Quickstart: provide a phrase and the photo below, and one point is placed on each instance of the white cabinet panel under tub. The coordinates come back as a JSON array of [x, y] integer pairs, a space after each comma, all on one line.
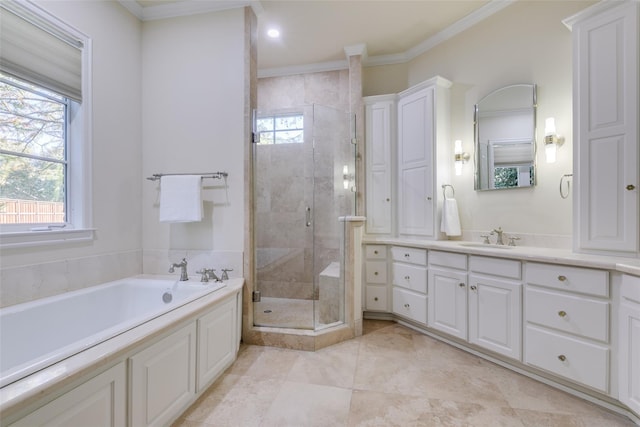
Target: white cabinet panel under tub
[[100, 401], [163, 378]]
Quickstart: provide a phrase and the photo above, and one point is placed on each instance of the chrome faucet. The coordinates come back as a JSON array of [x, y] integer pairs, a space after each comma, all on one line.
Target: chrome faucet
[[498, 232], [225, 273], [183, 269], [208, 274]]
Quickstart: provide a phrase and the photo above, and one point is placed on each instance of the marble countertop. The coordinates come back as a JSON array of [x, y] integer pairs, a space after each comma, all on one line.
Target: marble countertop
[[523, 253], [22, 393]]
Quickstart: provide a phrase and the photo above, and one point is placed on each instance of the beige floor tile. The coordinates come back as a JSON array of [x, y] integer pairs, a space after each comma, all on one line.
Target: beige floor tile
[[376, 409], [333, 366], [451, 413], [264, 362], [309, 405]]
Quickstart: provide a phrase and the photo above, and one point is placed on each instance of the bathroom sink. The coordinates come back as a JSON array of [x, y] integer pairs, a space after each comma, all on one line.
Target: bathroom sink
[[484, 245]]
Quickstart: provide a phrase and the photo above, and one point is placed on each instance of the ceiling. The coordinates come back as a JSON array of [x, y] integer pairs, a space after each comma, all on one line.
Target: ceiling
[[314, 33]]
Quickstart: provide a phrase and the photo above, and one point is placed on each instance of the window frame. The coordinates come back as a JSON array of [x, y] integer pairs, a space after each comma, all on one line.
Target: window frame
[[79, 218]]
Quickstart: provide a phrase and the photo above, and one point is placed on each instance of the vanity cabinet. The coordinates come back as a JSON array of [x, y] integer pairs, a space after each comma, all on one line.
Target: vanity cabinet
[[567, 311], [409, 278], [447, 286], [495, 305], [380, 141], [375, 273], [423, 123], [606, 109], [629, 338], [100, 401]]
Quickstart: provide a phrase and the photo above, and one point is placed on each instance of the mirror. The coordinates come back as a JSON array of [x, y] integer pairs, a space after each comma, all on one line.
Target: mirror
[[505, 143]]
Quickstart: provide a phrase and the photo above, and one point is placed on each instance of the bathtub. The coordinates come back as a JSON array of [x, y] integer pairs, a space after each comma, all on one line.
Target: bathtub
[[37, 334]]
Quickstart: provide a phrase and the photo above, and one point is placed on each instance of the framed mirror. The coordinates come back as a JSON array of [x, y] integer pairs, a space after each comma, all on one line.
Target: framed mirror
[[505, 140]]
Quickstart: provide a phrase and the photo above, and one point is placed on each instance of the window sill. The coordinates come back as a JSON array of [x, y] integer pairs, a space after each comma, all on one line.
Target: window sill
[[23, 239]]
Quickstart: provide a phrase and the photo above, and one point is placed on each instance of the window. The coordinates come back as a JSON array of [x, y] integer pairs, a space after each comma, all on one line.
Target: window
[[33, 155], [281, 129], [45, 129]]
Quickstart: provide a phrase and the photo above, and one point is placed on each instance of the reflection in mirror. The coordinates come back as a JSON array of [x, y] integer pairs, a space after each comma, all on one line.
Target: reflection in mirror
[[505, 143]]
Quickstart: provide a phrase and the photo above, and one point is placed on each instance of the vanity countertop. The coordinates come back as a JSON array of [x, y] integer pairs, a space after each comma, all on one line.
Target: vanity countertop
[[523, 253]]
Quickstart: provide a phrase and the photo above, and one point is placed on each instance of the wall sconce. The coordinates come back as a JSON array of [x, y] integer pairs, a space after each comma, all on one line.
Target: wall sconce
[[551, 140], [460, 157], [347, 178]]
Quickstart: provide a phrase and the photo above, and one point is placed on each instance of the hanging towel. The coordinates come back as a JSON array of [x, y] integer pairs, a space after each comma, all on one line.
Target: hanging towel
[[450, 218], [181, 198]]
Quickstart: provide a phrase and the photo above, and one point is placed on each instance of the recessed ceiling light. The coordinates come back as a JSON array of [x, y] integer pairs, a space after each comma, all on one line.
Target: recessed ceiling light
[[273, 33]]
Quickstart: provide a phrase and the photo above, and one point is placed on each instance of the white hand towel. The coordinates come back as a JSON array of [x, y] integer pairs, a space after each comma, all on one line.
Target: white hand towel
[[181, 198], [450, 219]]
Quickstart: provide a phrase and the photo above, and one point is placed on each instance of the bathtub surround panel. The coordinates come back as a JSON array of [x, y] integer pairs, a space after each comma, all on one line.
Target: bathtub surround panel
[[25, 283]]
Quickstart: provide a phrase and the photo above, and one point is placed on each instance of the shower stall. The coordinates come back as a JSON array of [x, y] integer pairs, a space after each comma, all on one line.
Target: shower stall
[[304, 181]]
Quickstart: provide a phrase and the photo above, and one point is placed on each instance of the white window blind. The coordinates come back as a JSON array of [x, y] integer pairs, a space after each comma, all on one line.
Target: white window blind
[[34, 50]]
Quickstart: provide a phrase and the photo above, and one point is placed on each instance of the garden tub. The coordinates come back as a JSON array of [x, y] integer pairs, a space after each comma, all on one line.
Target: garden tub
[[37, 334]]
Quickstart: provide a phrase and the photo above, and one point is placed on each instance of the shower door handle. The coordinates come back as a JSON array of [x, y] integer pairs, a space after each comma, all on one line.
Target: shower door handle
[[308, 216]]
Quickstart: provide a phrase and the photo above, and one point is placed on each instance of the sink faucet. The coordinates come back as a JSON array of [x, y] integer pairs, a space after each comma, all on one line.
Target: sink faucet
[[499, 232], [183, 269]]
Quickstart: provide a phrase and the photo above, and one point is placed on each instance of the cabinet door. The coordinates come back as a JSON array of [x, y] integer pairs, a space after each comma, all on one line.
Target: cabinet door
[[163, 378], [415, 163], [606, 156], [379, 133], [216, 342], [630, 356], [448, 302], [495, 315], [100, 401]]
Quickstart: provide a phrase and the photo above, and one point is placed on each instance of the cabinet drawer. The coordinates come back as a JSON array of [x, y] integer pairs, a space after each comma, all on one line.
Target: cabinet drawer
[[578, 315], [410, 304], [630, 289], [375, 252], [448, 259], [376, 298], [572, 358], [409, 255], [410, 277], [495, 266], [575, 279], [376, 271]]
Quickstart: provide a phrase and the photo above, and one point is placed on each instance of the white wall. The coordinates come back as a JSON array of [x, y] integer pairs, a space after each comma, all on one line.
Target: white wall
[[524, 43], [193, 81], [117, 155]]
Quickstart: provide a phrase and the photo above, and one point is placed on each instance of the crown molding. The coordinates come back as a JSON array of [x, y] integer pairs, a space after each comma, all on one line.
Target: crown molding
[[185, 8]]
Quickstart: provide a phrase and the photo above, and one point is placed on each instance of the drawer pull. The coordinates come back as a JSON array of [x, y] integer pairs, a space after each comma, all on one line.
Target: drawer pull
[[407, 277], [375, 299], [562, 357], [461, 284], [375, 252], [473, 287], [375, 273], [406, 306], [407, 255], [631, 187], [562, 313], [562, 278]]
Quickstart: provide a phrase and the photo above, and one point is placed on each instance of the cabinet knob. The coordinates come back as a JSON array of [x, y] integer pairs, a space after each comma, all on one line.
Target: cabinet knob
[[562, 313], [562, 357], [375, 252], [406, 306], [407, 277], [407, 255], [375, 273], [388, 199], [631, 187], [461, 284], [562, 278], [473, 287], [429, 198], [375, 299]]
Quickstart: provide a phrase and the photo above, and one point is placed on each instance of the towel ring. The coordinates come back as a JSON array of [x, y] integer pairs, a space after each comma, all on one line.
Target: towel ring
[[444, 190], [562, 179]]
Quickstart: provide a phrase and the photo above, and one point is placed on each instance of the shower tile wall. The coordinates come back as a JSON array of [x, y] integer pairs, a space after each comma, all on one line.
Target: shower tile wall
[[285, 188]]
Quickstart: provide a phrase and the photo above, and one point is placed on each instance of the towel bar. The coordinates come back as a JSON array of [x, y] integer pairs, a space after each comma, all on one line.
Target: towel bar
[[216, 175]]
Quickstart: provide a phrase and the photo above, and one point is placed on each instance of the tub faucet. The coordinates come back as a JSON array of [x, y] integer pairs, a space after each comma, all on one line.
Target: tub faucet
[[208, 274], [183, 269], [498, 232]]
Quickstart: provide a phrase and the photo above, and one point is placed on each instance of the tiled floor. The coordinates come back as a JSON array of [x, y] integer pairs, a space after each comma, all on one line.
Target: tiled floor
[[391, 376]]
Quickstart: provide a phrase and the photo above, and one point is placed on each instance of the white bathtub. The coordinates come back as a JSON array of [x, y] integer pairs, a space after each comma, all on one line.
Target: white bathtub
[[37, 334]]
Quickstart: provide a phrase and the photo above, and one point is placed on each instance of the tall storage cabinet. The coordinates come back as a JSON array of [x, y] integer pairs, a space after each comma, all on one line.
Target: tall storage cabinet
[[605, 102], [423, 134], [380, 130]]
